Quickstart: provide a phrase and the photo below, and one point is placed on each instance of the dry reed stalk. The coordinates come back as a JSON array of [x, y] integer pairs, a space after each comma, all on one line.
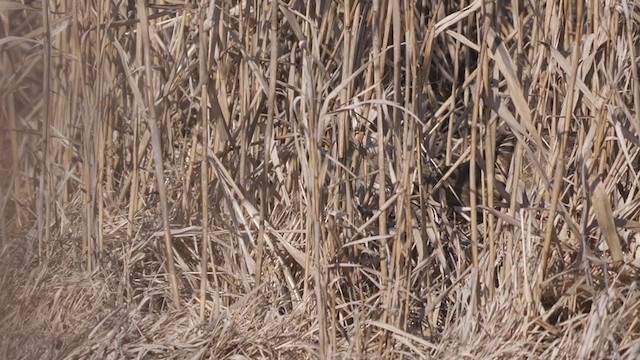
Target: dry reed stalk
[[204, 172], [43, 206], [560, 162], [157, 154]]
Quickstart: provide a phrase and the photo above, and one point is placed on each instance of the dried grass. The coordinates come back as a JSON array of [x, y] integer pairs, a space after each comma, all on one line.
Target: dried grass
[[259, 179]]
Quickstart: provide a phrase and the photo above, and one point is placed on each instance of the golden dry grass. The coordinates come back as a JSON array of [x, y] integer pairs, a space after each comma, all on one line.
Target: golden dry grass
[[261, 179]]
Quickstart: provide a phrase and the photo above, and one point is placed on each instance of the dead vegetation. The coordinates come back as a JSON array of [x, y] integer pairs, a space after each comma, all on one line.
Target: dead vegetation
[[261, 179]]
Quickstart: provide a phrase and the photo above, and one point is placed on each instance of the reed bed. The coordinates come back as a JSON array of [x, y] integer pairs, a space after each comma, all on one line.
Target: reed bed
[[331, 179]]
